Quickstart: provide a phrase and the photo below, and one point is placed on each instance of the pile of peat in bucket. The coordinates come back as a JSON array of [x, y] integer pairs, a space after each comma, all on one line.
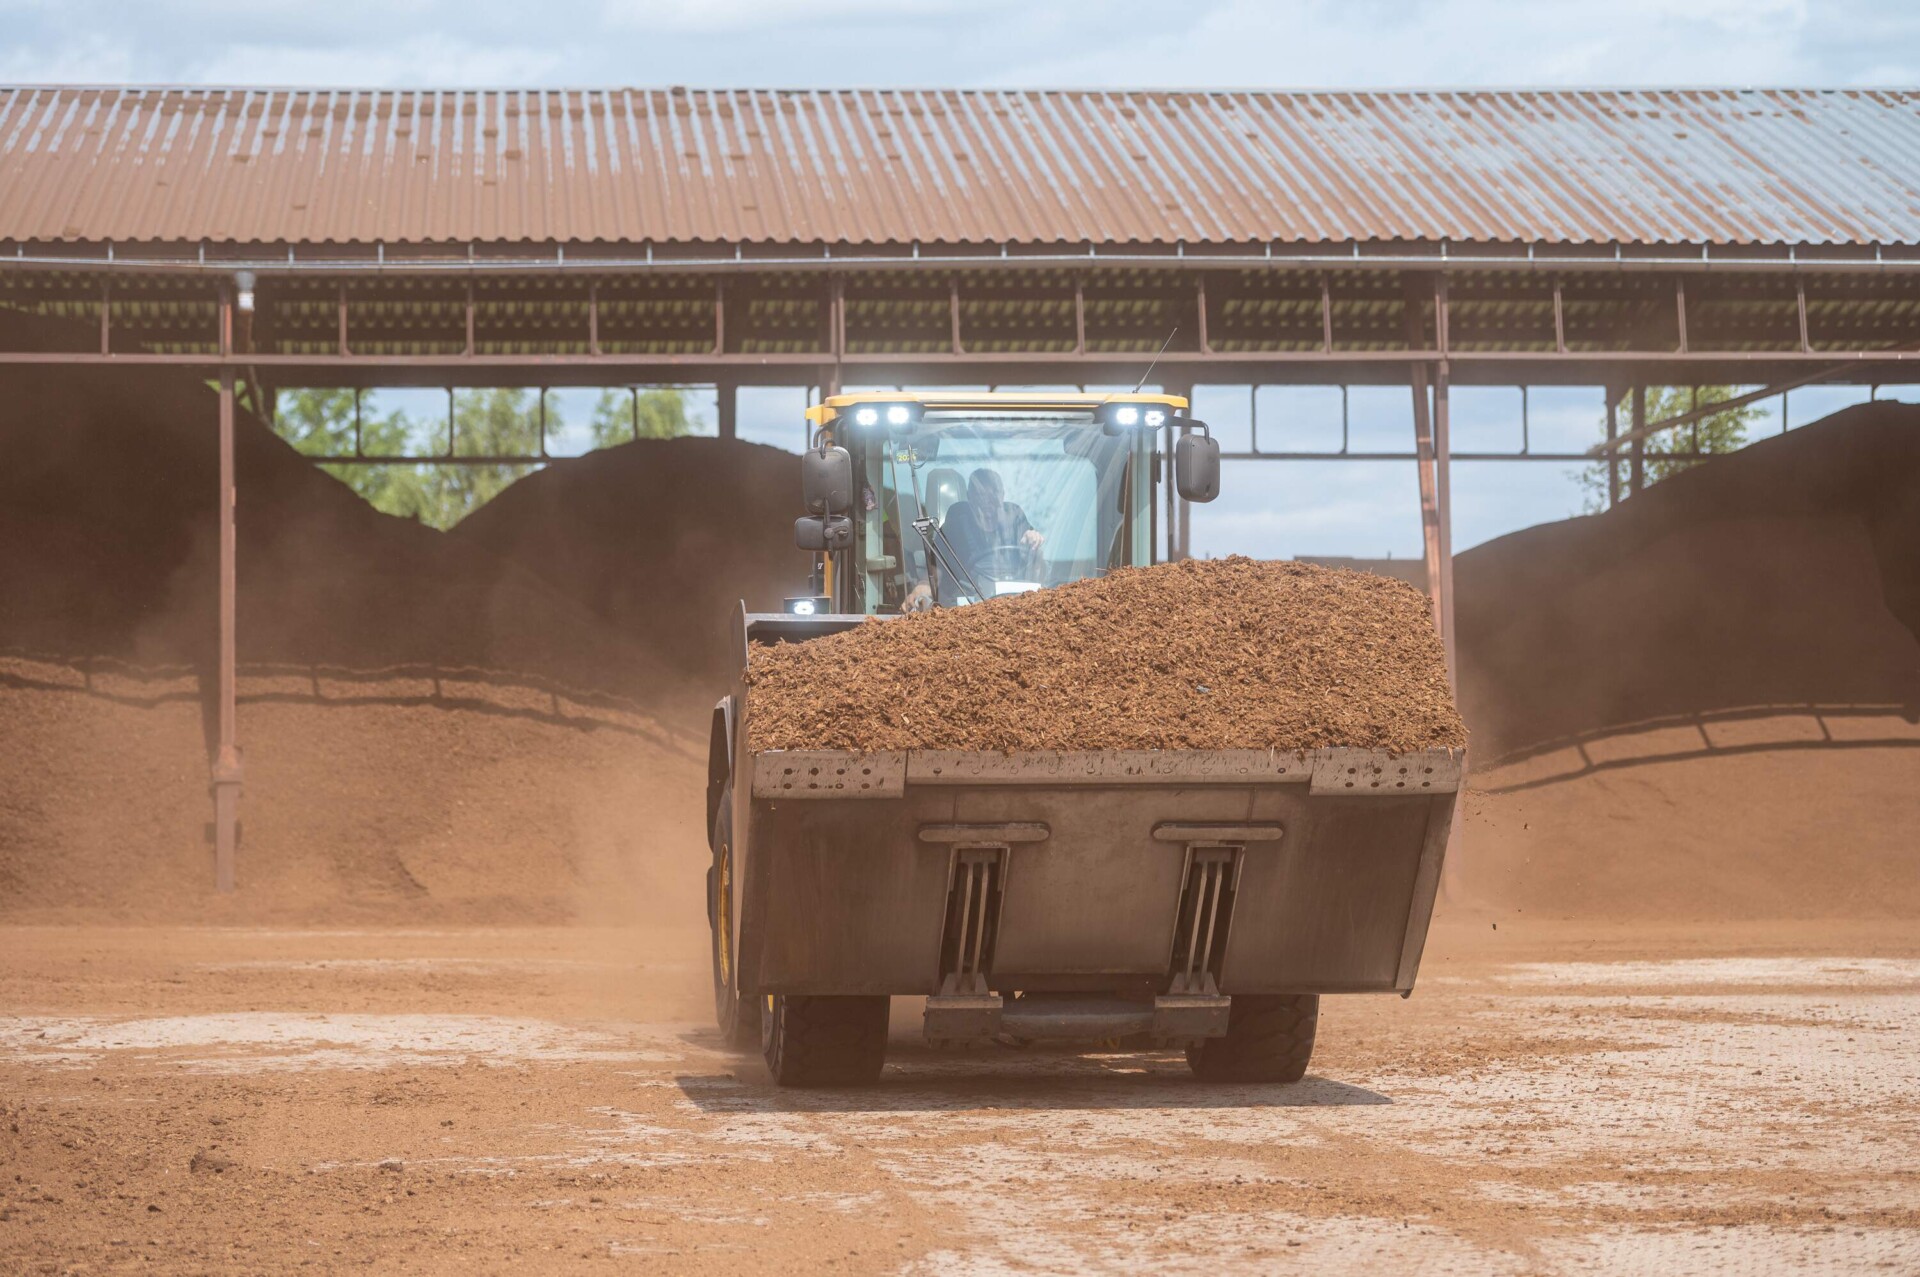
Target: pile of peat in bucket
[[1203, 654]]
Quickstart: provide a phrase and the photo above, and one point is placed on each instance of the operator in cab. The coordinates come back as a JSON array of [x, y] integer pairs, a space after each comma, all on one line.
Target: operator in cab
[[991, 538]]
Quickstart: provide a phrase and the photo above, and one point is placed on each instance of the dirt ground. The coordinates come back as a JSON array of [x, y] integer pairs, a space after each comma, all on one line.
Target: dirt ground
[[1554, 1098]]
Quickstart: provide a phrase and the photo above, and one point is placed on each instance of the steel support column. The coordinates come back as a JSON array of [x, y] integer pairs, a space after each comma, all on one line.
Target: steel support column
[[1421, 377], [726, 398], [1172, 518], [226, 759], [1427, 469], [1181, 512], [1637, 469], [1613, 433], [1443, 510], [1185, 529]]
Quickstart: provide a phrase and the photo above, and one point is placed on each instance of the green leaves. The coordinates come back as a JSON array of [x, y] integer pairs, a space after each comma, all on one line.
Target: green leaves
[[490, 422], [1721, 432]]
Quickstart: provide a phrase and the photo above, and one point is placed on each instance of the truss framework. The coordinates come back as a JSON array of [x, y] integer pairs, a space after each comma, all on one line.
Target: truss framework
[[996, 322]]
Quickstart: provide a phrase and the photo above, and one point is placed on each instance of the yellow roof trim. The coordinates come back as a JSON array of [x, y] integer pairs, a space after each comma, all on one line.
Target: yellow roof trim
[[831, 408]]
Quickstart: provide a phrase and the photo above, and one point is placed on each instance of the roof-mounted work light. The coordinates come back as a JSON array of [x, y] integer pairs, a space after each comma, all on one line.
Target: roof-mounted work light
[[1123, 416], [867, 416]]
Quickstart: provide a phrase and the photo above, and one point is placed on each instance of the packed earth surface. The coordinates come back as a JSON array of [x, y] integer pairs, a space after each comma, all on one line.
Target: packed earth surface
[[457, 1016], [1554, 1098]]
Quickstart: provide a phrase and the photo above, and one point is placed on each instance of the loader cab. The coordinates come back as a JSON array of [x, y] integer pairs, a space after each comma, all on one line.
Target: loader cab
[[955, 498]]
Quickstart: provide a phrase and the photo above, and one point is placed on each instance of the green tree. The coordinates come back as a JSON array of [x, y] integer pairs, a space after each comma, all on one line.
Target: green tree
[[620, 416], [1718, 432], [492, 422], [319, 423]]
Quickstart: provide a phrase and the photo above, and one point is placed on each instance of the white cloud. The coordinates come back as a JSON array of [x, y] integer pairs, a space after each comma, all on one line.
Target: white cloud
[[710, 17], [424, 59], [1116, 43]]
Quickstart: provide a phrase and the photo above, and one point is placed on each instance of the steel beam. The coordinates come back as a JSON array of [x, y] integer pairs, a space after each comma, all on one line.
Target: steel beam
[[1443, 510], [1637, 444], [1838, 362], [1350, 256], [1180, 511], [1172, 498], [726, 399], [1613, 435], [537, 459], [1425, 466], [1554, 458], [227, 770], [1697, 414]]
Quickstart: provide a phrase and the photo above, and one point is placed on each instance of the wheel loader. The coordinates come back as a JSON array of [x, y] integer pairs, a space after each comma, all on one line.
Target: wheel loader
[[1201, 900]]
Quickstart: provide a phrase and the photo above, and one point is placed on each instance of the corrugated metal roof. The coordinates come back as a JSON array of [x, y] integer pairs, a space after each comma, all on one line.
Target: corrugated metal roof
[[874, 167]]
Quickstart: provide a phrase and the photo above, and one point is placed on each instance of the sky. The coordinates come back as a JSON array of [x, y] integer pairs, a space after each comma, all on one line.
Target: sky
[[1267, 508], [962, 43]]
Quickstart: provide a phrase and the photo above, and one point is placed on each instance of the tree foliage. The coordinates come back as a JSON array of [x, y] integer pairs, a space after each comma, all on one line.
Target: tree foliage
[[622, 415], [486, 423], [1719, 432]]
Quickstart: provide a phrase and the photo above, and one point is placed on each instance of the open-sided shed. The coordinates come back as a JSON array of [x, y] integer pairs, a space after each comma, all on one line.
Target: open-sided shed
[[547, 238]]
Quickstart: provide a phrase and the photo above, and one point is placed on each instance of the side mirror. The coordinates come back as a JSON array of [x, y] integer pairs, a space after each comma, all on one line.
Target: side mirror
[[823, 534], [1196, 466], [826, 480]]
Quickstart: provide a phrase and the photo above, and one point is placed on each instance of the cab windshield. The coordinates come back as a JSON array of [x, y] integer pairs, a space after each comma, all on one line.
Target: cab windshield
[[965, 506]]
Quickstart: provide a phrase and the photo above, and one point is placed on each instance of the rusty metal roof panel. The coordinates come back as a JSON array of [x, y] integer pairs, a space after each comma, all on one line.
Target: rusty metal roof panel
[[950, 166]]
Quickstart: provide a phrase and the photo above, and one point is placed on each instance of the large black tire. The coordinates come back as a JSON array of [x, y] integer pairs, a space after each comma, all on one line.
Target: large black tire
[[738, 1017], [1268, 1039], [824, 1041]]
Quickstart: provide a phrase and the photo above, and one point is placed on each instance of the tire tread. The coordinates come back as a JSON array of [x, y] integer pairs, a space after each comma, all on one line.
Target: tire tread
[[827, 1041], [1269, 1038]]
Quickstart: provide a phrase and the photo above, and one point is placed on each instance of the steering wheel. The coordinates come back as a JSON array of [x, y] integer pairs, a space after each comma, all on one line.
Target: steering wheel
[[1004, 562]]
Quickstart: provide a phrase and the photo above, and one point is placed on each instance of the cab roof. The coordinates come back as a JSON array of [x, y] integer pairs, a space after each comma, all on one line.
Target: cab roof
[[994, 400]]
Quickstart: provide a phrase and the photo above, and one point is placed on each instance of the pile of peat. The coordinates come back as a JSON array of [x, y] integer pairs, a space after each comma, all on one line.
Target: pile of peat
[[1218, 654]]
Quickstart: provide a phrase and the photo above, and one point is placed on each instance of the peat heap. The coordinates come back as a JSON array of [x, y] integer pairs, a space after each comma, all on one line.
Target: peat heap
[[1218, 654], [1705, 703], [109, 543], [660, 539], [429, 732], [1786, 574]]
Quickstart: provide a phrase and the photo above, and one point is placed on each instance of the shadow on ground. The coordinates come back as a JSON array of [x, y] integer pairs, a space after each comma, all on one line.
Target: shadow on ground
[[1020, 1081]]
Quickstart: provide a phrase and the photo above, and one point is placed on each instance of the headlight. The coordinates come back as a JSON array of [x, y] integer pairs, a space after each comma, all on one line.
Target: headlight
[[803, 607], [1155, 418], [808, 605], [1126, 415], [898, 415], [866, 416]]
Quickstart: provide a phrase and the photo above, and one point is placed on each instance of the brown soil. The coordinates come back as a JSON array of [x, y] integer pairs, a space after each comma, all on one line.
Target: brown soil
[[1706, 703], [429, 730], [418, 800], [1777, 832], [1216, 654], [1551, 1100]]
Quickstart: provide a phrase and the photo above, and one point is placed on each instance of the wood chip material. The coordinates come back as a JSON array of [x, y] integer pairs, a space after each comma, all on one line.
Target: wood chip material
[[1206, 654]]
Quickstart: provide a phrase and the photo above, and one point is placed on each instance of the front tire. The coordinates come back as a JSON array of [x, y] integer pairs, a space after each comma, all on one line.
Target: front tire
[[824, 1041], [1269, 1038], [738, 1018]]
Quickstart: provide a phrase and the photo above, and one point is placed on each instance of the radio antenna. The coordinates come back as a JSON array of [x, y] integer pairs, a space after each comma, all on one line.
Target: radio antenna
[[1156, 359]]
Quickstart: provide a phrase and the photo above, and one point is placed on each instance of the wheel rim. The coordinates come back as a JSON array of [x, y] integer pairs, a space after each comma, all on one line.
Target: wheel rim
[[723, 917]]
